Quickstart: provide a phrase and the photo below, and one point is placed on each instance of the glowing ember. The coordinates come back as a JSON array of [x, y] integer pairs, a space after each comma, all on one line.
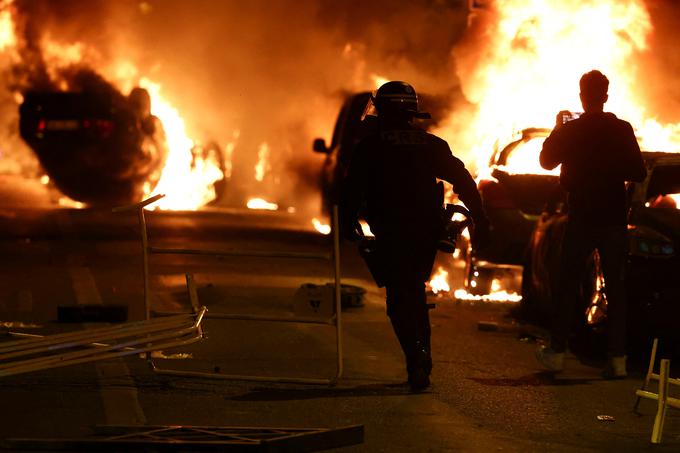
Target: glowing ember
[[439, 283], [259, 203], [44, 179], [494, 296], [536, 54], [321, 227]]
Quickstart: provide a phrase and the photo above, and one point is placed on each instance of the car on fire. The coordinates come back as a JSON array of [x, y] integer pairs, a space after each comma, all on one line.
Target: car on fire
[[98, 147], [653, 264], [514, 191]]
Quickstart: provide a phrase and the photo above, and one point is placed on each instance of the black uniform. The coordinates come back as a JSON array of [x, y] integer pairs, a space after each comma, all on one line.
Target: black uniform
[[395, 173], [598, 153]]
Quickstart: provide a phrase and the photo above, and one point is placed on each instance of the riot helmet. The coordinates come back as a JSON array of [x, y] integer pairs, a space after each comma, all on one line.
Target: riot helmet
[[398, 99]]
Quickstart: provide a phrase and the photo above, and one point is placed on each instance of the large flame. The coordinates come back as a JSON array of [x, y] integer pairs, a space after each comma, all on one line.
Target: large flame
[[186, 181], [537, 50]]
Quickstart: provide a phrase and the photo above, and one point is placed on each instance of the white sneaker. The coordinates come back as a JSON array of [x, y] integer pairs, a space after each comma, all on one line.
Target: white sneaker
[[553, 361]]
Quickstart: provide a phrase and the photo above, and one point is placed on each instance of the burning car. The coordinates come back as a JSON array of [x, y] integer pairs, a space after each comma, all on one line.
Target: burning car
[[653, 263], [98, 147], [514, 192]]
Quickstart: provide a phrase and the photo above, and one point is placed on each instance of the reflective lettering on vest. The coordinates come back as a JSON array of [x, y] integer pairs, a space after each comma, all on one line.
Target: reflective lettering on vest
[[404, 137]]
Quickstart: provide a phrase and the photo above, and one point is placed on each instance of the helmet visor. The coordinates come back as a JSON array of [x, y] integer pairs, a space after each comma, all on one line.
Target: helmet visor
[[399, 102]]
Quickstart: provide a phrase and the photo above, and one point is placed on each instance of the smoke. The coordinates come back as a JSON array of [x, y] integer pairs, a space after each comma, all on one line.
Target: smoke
[[275, 71], [660, 79]]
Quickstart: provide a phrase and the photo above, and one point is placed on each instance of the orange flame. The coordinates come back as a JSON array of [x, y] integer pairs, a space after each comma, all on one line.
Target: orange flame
[[259, 203], [676, 199], [494, 296], [186, 182], [536, 55], [321, 227], [262, 165], [7, 37], [439, 283]]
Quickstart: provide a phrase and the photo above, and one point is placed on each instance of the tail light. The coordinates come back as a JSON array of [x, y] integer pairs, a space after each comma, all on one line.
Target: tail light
[[103, 128], [495, 195]]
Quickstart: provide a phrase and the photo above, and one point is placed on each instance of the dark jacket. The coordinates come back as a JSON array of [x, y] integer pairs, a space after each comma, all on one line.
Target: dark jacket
[[395, 172], [598, 153]]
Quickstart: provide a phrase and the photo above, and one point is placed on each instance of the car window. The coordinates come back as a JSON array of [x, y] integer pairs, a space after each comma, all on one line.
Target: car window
[[348, 128], [663, 190], [353, 131], [522, 158]]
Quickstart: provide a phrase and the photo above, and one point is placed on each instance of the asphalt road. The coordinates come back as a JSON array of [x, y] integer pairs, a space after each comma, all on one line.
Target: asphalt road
[[488, 394]]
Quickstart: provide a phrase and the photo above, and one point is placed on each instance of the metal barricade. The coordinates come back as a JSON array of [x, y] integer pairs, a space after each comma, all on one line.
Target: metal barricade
[[335, 320], [664, 401], [37, 352]]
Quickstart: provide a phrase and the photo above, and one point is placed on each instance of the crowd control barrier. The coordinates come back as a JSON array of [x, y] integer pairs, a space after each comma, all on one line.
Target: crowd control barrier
[[335, 320], [36, 352], [664, 401]]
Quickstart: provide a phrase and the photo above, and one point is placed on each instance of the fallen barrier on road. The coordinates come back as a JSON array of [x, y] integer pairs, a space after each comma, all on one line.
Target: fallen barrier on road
[[198, 438], [36, 352], [335, 318]]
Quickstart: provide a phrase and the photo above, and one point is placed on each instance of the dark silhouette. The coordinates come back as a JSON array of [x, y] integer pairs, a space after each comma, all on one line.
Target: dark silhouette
[[598, 153], [394, 172]]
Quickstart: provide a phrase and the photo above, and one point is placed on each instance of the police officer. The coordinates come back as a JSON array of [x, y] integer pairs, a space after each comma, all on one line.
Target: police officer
[[598, 153], [393, 173]]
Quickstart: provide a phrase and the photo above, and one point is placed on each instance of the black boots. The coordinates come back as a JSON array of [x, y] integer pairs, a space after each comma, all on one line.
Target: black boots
[[409, 316], [419, 367]]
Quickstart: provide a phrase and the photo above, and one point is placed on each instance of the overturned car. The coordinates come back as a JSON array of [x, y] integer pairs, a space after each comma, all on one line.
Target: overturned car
[[98, 147]]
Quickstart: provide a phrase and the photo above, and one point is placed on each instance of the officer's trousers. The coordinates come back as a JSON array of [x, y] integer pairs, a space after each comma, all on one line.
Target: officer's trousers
[[408, 264]]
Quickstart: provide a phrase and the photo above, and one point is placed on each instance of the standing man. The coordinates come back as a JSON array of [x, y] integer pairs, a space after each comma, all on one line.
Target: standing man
[[598, 153], [394, 173]]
